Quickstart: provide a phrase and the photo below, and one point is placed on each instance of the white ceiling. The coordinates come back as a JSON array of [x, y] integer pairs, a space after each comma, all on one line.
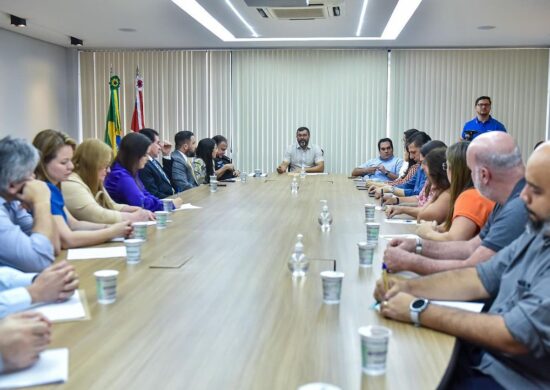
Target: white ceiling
[[161, 24]]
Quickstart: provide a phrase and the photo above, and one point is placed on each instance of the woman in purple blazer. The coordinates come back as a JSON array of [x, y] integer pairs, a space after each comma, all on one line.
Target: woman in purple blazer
[[123, 183]]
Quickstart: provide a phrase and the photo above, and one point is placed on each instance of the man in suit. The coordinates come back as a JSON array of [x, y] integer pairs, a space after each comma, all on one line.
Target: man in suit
[[152, 175], [183, 177]]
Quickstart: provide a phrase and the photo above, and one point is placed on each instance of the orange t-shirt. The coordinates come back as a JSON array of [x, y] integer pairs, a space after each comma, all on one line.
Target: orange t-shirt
[[474, 206]]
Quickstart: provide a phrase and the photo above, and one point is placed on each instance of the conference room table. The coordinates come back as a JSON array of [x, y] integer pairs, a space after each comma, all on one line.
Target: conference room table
[[226, 312]]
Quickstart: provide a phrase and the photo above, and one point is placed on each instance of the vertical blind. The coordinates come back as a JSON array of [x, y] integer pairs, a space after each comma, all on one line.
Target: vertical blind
[[435, 91], [340, 95], [258, 98]]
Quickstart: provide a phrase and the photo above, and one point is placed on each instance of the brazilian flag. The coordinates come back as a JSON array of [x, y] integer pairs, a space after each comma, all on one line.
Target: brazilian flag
[[113, 130]]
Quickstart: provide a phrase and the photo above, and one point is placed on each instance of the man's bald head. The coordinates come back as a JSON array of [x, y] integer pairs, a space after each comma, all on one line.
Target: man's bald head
[[495, 150], [495, 161], [536, 193]]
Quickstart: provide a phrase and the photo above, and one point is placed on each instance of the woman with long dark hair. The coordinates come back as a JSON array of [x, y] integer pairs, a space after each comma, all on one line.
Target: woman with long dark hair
[[203, 163], [468, 210], [123, 183], [435, 194]]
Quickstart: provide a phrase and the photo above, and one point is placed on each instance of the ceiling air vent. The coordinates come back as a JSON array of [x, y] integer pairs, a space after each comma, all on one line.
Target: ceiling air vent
[[277, 9]]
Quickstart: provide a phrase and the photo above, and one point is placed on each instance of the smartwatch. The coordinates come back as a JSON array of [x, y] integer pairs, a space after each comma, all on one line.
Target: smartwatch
[[418, 306], [418, 248]]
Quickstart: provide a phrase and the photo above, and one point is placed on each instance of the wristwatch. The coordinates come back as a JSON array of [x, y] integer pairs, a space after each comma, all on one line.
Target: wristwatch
[[418, 248], [418, 306]]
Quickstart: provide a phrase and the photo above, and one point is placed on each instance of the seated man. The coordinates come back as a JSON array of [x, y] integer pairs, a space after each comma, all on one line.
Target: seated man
[[497, 173], [152, 175], [183, 177], [224, 166], [27, 241], [514, 335], [300, 155], [415, 184], [383, 168], [18, 290], [22, 337]]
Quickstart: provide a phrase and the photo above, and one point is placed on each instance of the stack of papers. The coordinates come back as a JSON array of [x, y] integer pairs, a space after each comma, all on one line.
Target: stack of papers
[[51, 367], [96, 253]]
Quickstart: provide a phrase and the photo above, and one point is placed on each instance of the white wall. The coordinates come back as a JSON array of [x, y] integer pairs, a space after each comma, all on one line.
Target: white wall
[[39, 86]]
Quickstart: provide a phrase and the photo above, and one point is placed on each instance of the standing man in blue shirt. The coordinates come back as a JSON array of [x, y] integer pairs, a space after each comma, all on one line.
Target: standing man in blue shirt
[[483, 122], [384, 168]]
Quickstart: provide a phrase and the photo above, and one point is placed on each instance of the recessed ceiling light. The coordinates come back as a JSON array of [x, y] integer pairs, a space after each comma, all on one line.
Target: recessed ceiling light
[[252, 31], [361, 18], [486, 27], [197, 12], [401, 14], [127, 29]]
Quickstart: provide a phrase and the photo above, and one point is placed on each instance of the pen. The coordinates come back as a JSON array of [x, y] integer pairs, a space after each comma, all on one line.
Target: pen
[[385, 276], [381, 197]]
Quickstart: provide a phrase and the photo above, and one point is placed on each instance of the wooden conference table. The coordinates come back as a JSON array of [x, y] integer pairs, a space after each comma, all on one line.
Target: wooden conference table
[[232, 317]]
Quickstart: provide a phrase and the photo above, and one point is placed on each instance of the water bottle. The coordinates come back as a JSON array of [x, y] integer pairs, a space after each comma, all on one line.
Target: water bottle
[[298, 263], [325, 218], [303, 172], [294, 187]]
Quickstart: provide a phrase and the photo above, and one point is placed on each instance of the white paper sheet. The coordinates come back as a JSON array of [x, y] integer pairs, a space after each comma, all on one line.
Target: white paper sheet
[[96, 253], [468, 306], [317, 173], [392, 236], [149, 223], [71, 309], [401, 221], [188, 206], [51, 367], [117, 239], [252, 174]]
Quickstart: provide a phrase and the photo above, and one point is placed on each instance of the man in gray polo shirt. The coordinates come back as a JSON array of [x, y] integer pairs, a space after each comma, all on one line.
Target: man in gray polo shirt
[[514, 335], [498, 173], [302, 154]]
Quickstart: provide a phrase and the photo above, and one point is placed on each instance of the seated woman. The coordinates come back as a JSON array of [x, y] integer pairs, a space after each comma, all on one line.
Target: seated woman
[[85, 196], [123, 182], [433, 201], [468, 211], [203, 163], [425, 194], [223, 165], [55, 166]]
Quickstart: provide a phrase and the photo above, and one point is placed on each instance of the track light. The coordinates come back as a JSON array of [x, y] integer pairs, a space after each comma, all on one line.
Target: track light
[[17, 21], [76, 41]]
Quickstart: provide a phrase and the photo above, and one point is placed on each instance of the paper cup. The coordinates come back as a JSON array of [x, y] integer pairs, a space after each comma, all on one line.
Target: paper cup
[[133, 250], [167, 205], [257, 172], [366, 254], [332, 286], [106, 286], [369, 212], [140, 230], [373, 230], [162, 219], [374, 348]]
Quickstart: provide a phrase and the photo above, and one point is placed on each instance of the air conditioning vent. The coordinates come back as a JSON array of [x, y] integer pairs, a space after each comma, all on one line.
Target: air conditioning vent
[[318, 10], [299, 13]]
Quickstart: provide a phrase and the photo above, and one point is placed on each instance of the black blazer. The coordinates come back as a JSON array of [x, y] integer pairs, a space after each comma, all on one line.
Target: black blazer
[[155, 182]]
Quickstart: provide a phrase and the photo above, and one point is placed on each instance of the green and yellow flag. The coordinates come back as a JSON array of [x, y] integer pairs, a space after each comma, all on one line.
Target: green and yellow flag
[[113, 131]]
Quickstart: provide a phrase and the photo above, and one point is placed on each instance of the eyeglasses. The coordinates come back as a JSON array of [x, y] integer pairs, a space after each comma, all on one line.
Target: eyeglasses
[[484, 104], [445, 166]]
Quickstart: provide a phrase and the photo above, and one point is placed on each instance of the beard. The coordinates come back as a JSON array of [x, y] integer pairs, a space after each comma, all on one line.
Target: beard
[[536, 225], [303, 143], [190, 154]]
